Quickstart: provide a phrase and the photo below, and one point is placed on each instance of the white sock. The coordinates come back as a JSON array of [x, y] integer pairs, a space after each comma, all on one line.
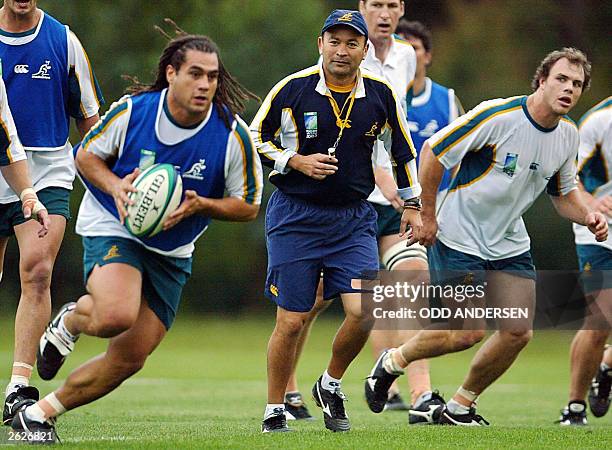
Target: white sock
[[35, 413], [455, 407], [422, 398], [274, 409], [576, 407], [330, 383], [294, 398], [16, 382], [64, 330]]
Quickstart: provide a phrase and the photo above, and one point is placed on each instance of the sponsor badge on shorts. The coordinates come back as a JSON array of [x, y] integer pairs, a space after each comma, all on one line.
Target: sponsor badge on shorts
[[147, 159], [510, 164], [310, 122]]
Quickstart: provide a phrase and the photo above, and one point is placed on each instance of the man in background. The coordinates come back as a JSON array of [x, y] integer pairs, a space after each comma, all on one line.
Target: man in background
[[588, 360], [48, 79]]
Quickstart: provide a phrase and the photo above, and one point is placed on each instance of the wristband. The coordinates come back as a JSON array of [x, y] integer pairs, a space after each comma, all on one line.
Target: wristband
[[413, 203]]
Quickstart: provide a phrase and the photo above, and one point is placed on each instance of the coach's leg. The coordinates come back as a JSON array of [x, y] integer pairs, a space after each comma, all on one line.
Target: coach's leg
[[282, 349], [36, 260], [501, 349], [319, 306], [126, 355]]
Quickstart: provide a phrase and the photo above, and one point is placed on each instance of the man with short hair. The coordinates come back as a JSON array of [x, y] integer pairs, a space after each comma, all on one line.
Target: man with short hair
[[510, 150], [317, 129], [590, 365], [394, 60], [48, 80], [187, 116]]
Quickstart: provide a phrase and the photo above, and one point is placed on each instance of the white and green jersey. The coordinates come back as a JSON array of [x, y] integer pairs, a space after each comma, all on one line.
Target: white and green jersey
[[594, 159], [506, 160], [399, 69]]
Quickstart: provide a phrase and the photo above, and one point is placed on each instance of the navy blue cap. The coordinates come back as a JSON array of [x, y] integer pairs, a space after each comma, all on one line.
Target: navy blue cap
[[348, 18]]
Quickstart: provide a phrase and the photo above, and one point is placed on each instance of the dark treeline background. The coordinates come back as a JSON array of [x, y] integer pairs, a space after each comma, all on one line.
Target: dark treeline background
[[482, 48]]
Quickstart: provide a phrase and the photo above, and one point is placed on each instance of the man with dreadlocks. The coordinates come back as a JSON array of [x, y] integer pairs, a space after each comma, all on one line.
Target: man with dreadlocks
[[186, 118]]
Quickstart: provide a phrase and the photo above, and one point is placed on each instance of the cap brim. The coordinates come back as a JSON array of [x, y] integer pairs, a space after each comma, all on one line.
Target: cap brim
[[350, 25]]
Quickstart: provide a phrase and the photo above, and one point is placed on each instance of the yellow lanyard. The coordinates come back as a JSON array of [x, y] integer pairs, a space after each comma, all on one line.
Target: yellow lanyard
[[340, 122]]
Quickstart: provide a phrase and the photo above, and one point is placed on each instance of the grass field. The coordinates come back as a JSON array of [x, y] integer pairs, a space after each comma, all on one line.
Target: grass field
[[205, 388]]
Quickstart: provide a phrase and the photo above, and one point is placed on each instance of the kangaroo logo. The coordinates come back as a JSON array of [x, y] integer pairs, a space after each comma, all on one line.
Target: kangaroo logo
[[196, 171], [43, 72], [372, 132], [430, 129]]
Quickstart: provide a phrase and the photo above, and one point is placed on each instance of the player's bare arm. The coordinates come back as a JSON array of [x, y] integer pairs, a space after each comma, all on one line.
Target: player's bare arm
[[18, 178], [430, 176], [228, 208], [572, 207], [97, 171], [387, 185], [84, 125]]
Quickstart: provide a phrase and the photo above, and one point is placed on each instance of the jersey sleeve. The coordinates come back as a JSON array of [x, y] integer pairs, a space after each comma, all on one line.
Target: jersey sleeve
[[455, 106], [592, 163], [267, 128], [470, 132], [243, 172], [85, 96], [11, 149], [399, 146], [106, 138]]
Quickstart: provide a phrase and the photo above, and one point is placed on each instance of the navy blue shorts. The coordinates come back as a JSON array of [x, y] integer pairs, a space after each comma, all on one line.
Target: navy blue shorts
[[443, 258], [304, 239], [595, 267], [163, 277]]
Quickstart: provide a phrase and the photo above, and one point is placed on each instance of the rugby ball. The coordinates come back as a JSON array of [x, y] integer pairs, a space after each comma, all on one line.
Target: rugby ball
[[160, 189]]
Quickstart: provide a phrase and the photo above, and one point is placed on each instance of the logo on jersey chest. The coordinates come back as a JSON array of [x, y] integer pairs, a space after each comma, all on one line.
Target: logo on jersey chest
[[196, 171], [21, 68], [428, 130], [311, 125], [373, 131], [147, 159], [43, 72], [510, 164]]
